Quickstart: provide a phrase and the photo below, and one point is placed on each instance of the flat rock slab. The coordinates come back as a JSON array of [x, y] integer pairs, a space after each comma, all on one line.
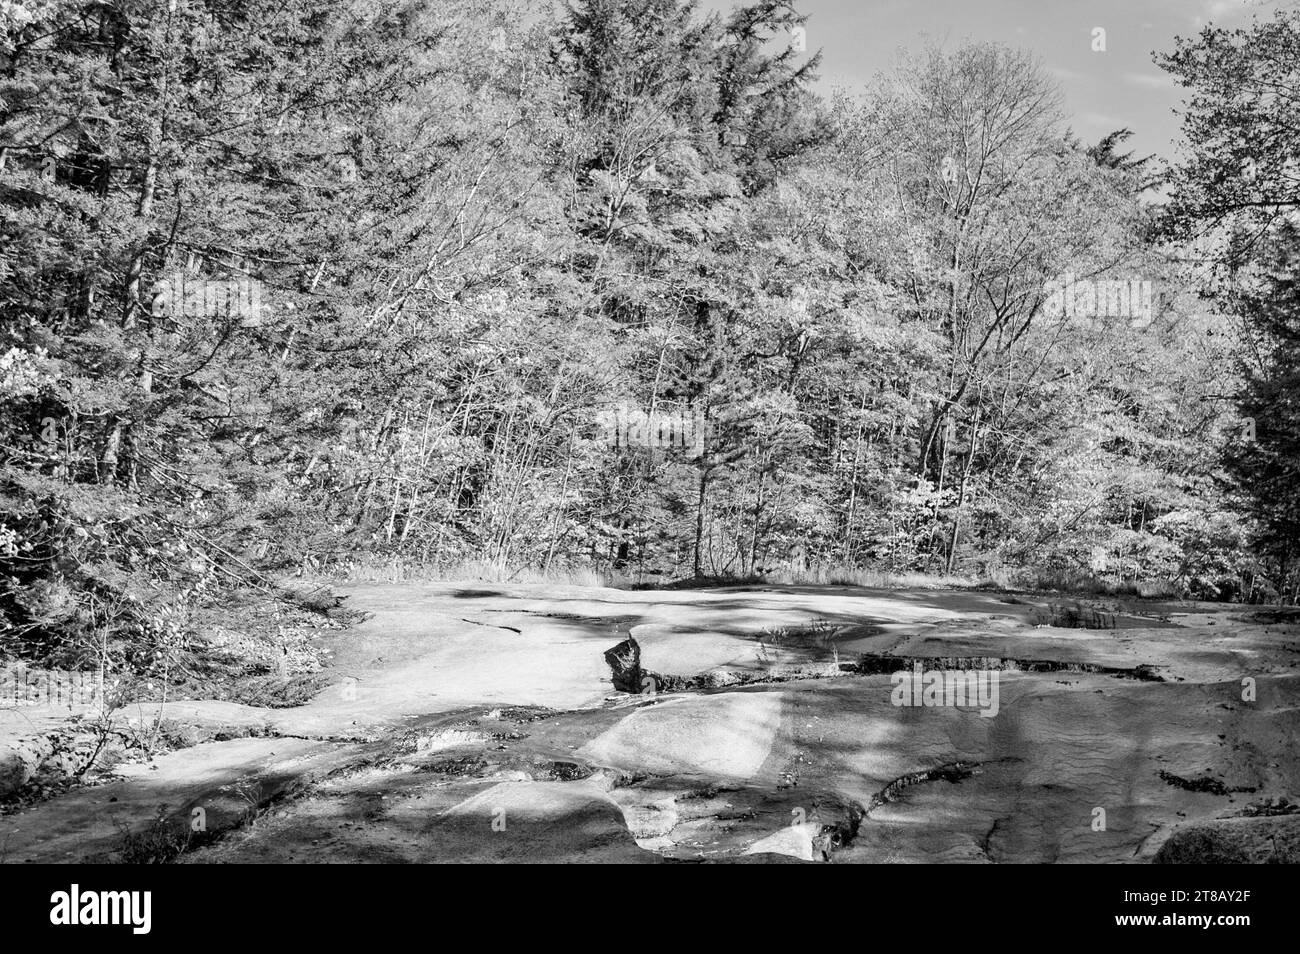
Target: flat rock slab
[[795, 841], [480, 724], [374, 816], [538, 821], [1255, 841], [725, 736], [224, 779]]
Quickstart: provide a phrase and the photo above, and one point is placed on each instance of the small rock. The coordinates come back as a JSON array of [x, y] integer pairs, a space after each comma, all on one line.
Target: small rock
[[13, 772]]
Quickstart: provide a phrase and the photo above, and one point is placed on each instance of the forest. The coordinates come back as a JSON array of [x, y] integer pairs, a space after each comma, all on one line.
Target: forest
[[616, 291]]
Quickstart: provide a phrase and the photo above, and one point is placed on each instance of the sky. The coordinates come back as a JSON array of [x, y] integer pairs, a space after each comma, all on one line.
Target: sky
[[1101, 91]]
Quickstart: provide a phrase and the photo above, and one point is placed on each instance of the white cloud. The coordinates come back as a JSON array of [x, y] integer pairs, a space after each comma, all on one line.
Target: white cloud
[[1061, 73], [1150, 80], [1219, 12], [1102, 119], [1216, 9]]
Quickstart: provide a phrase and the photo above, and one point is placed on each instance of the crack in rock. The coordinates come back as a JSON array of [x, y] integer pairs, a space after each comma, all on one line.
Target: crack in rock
[[624, 661], [985, 843], [477, 622], [883, 663], [1203, 783], [953, 772]]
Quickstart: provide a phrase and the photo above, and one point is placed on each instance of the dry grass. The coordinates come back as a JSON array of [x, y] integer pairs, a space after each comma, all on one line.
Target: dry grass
[[878, 579], [402, 570], [396, 569], [1081, 581]]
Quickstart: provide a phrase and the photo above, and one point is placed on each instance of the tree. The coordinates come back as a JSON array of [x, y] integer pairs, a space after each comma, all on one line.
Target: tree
[[1234, 201], [1263, 452], [152, 438], [1241, 173]]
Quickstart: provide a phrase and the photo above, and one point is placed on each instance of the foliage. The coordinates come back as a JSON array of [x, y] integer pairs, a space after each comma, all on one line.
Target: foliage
[[465, 232]]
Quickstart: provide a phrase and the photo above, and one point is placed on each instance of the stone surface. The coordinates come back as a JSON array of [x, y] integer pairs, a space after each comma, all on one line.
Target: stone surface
[[1254, 841], [15, 769], [725, 736], [455, 700]]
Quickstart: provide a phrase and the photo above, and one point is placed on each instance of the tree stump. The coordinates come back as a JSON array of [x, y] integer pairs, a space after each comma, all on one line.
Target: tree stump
[[625, 664]]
